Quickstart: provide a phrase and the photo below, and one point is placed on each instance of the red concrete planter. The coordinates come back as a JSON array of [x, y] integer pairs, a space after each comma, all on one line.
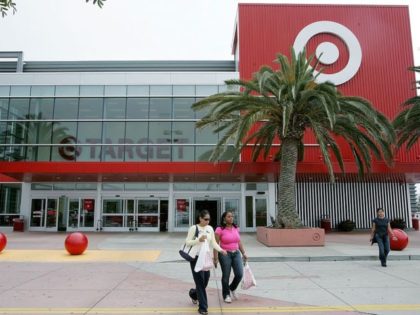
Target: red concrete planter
[[291, 237]]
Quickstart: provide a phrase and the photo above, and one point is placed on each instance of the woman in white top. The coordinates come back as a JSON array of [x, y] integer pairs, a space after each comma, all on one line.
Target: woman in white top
[[201, 278]]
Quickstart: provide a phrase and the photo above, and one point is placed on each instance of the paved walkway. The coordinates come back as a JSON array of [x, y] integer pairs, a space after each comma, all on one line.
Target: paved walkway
[[141, 273]]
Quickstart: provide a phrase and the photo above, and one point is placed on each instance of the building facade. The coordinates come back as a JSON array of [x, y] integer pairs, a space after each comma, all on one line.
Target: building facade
[[112, 146]]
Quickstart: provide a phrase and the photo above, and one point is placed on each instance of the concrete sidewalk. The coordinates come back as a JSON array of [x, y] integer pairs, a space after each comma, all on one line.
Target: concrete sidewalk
[[289, 280]]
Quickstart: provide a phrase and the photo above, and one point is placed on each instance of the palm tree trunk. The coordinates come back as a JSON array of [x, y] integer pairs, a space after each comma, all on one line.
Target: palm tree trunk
[[287, 216]]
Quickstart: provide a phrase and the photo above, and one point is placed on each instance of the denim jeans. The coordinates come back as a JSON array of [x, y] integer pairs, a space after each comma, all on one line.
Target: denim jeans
[[232, 260], [201, 279], [383, 244]]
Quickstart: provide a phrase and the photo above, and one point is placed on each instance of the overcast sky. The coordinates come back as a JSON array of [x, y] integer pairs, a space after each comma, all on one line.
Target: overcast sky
[[138, 29]]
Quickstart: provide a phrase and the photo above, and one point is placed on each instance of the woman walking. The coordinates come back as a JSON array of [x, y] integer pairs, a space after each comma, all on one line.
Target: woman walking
[[379, 234], [227, 235], [201, 278]]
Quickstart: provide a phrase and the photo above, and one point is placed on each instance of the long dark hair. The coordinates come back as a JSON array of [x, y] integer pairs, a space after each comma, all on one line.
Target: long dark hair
[[223, 221], [202, 214]]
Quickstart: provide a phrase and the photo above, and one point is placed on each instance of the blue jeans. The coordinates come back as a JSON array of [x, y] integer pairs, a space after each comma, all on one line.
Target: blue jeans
[[383, 244], [232, 260], [201, 279]]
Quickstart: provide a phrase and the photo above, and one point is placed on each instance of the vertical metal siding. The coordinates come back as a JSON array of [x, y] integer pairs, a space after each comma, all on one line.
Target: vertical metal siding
[[356, 201]]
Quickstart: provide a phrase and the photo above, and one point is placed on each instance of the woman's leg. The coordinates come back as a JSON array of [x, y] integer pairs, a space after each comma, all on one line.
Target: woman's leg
[[386, 246], [225, 265], [238, 270], [201, 280], [381, 247]]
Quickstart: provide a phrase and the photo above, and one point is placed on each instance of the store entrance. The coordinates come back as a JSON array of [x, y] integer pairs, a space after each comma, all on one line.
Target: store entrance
[[212, 206]]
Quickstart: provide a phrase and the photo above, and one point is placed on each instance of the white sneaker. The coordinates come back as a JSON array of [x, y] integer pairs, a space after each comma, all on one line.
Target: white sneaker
[[228, 299], [235, 295]]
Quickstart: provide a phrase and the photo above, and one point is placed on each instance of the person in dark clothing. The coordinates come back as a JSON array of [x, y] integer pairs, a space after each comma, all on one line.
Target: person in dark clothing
[[381, 228]]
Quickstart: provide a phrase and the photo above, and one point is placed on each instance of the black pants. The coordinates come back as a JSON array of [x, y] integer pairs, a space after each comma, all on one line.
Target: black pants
[[201, 279]]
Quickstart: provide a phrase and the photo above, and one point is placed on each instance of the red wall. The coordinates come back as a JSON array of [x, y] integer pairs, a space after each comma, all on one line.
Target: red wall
[[384, 36]]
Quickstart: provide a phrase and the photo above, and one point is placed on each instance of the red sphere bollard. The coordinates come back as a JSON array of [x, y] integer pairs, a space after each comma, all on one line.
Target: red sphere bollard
[[76, 243], [3, 241], [400, 241]]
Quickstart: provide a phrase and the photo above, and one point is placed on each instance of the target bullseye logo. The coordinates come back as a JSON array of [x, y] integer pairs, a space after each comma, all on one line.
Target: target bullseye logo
[[328, 53], [69, 152]]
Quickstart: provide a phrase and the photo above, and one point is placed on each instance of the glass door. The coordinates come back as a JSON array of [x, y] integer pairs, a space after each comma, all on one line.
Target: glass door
[[81, 213], [148, 214], [232, 205], [44, 214], [255, 212]]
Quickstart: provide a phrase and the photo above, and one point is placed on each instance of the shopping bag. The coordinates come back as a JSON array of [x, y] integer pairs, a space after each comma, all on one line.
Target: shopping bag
[[248, 280], [204, 261]]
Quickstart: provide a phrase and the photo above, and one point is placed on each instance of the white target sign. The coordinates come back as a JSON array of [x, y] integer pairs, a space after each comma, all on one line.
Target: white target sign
[[328, 53]]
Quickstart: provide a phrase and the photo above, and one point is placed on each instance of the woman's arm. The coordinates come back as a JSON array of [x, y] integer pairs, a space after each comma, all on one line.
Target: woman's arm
[[215, 245], [372, 232], [191, 240], [390, 231], [241, 248], [215, 256]]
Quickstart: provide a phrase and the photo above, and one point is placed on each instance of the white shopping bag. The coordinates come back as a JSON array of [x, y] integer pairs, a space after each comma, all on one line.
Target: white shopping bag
[[248, 281], [204, 260]]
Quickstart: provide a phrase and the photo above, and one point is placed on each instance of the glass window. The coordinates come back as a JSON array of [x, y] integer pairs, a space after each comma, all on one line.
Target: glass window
[[207, 187], [64, 133], [184, 186], [206, 90], [67, 90], [182, 153], [228, 154], [90, 153], [148, 206], [4, 90], [19, 108], [135, 186], [261, 212], [161, 90], [159, 133], [85, 186], [64, 186], [42, 153], [136, 132], [91, 108], [4, 108], [41, 108], [112, 186], [232, 205], [42, 90], [66, 108], [113, 133], [39, 186], [158, 186], [182, 212], [10, 198], [112, 206], [115, 90], [206, 135], [138, 90], [115, 108], [249, 211], [203, 153], [230, 187], [20, 90], [182, 108], [183, 132], [91, 90], [201, 113], [160, 108], [137, 108], [184, 90]]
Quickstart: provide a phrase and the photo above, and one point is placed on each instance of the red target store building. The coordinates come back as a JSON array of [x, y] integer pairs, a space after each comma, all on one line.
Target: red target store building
[[112, 146]]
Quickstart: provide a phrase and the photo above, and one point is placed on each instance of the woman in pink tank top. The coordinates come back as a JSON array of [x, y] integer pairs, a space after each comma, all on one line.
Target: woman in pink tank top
[[229, 239]]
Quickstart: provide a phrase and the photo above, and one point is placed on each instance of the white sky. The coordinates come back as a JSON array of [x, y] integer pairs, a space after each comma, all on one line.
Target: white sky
[[139, 29]]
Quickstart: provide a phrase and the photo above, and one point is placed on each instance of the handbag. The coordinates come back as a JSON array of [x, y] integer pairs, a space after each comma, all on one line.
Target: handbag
[[204, 261], [186, 251], [248, 281]]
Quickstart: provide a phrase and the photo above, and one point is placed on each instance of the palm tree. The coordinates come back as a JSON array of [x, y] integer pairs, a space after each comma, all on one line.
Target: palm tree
[[287, 103], [407, 123]]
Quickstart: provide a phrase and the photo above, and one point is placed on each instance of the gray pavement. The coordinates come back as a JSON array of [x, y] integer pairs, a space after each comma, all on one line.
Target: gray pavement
[[343, 277]]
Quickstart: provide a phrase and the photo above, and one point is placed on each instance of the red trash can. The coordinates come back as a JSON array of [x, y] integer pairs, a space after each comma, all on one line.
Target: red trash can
[[18, 225], [326, 225], [415, 222]]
